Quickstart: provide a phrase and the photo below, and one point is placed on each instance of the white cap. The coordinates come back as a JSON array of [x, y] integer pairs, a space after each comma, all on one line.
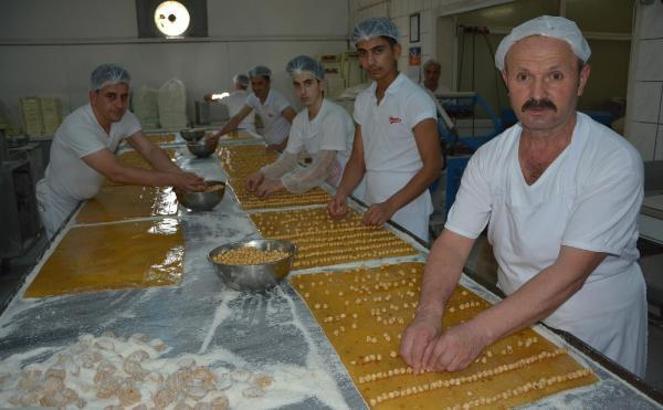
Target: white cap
[[548, 26], [374, 27], [108, 74], [301, 64]]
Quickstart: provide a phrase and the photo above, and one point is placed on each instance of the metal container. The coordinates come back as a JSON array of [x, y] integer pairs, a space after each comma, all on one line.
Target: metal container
[[192, 134], [258, 276], [201, 149], [203, 200]]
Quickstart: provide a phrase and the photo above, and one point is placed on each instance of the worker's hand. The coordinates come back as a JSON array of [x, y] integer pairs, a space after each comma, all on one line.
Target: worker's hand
[[378, 214], [268, 187], [417, 337], [337, 207], [188, 181], [208, 97], [455, 349], [254, 180]]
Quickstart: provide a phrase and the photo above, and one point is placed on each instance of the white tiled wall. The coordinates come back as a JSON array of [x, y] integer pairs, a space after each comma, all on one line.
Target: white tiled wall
[[646, 101], [643, 137], [644, 118], [47, 49]]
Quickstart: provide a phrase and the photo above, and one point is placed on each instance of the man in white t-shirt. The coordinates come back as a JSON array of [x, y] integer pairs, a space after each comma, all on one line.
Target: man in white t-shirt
[[323, 130], [82, 152], [396, 145], [561, 196], [432, 70], [272, 107], [236, 100]]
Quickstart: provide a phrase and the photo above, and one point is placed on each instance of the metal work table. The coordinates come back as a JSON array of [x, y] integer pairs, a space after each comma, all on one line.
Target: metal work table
[[271, 332]]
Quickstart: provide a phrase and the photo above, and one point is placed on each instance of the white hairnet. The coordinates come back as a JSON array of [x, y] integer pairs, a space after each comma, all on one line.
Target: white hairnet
[[307, 64], [374, 27], [241, 79], [260, 71], [108, 74], [431, 62], [548, 26]]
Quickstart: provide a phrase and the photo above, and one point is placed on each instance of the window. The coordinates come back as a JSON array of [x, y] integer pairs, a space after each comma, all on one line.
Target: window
[[171, 19]]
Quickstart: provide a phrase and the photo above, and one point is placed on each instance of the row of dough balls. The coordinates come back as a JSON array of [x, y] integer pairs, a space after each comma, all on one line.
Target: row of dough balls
[[109, 369], [321, 241], [280, 199]]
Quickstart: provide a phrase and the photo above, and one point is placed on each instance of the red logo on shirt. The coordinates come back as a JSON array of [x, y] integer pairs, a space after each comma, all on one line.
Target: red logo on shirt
[[394, 120]]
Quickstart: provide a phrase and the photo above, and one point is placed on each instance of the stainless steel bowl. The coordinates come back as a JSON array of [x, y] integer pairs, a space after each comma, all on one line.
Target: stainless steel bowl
[[259, 276], [192, 134], [200, 149], [203, 200]]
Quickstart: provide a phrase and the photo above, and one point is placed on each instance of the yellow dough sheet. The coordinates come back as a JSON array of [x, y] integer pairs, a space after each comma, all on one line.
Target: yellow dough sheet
[[116, 203], [281, 199], [240, 161], [364, 312], [113, 256], [322, 241]]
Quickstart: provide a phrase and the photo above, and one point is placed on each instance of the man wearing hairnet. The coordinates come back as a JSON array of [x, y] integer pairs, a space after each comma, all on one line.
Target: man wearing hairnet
[[82, 153], [235, 101], [323, 130], [396, 146], [560, 194], [272, 107]]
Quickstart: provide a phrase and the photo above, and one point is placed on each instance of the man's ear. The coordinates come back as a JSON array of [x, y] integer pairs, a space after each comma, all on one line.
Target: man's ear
[[583, 78]]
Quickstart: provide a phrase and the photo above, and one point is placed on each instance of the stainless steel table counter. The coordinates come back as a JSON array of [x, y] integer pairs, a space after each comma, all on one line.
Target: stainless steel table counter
[[271, 332]]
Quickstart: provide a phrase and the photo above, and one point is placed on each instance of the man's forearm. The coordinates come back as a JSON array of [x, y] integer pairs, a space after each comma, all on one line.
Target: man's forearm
[[443, 269], [352, 175], [534, 301], [160, 161], [138, 176]]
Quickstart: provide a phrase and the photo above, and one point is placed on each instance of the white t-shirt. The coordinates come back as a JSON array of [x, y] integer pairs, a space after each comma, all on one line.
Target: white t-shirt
[[79, 135], [235, 102], [332, 129], [588, 198], [276, 127], [390, 150]]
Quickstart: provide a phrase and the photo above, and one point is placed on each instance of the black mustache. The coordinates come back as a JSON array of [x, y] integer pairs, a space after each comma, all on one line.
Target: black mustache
[[544, 103]]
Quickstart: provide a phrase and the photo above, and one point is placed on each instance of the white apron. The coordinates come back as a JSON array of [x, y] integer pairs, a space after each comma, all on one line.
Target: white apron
[[414, 216], [53, 209], [609, 312]]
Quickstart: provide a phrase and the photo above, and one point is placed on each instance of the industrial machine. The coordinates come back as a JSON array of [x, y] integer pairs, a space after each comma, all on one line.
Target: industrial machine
[[475, 123], [18, 205]]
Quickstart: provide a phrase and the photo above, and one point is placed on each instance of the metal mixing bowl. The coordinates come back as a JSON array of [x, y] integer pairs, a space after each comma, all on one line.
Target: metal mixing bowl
[[192, 134], [203, 200], [201, 149], [259, 276]]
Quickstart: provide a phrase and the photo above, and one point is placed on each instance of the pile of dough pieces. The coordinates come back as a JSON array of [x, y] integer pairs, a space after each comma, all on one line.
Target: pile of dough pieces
[[127, 373]]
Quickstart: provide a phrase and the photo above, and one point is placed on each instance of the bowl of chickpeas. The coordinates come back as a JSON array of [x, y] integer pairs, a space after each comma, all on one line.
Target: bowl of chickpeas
[[253, 265], [204, 200]]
